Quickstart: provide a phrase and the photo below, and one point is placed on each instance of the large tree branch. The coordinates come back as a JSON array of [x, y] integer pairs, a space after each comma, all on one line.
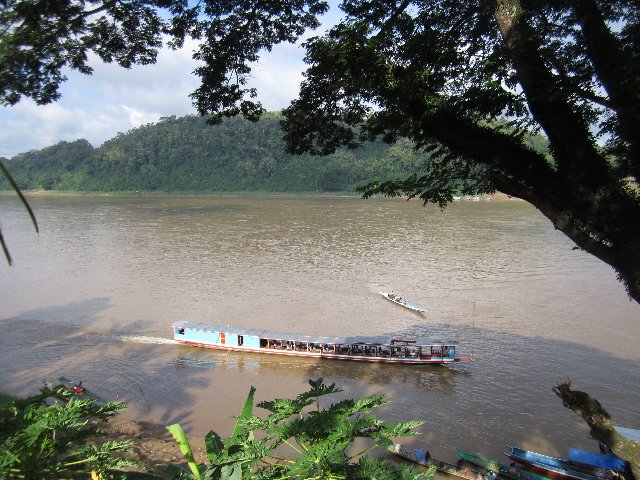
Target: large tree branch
[[598, 205], [604, 227], [600, 424], [568, 133], [557, 216]]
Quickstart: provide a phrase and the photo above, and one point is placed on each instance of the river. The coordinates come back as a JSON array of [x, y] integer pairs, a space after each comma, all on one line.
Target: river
[[92, 297]]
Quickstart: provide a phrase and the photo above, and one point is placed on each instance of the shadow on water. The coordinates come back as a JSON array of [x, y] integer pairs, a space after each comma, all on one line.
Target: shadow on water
[[80, 313], [503, 397]]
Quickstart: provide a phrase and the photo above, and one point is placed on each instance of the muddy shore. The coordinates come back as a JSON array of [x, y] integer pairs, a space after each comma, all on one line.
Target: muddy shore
[[153, 443]]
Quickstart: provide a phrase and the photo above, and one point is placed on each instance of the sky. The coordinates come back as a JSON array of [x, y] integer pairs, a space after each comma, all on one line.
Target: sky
[[114, 99]]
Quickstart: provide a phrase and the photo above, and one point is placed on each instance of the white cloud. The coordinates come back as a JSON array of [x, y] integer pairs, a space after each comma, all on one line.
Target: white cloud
[[97, 107], [114, 99], [278, 75]]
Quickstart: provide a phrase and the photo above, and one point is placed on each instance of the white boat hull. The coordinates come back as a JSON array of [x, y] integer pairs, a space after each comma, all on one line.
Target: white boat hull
[[403, 303]]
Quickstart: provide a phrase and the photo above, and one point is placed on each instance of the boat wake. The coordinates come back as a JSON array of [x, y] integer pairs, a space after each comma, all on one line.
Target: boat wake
[[145, 339]]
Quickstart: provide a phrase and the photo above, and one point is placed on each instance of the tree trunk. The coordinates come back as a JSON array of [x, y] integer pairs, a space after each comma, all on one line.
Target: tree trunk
[[599, 422]]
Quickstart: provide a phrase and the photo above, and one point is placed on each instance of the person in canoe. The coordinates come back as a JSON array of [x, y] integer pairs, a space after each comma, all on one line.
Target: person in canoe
[[78, 389]]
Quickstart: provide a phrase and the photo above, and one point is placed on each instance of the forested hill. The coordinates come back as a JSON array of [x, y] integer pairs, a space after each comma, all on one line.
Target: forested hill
[[187, 155]]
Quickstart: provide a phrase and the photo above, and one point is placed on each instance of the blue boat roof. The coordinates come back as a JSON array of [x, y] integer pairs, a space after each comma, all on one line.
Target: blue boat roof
[[607, 461], [210, 327]]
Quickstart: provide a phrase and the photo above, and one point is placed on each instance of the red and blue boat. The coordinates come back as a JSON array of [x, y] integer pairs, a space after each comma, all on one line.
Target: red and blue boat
[[512, 471], [422, 457], [416, 351], [556, 468]]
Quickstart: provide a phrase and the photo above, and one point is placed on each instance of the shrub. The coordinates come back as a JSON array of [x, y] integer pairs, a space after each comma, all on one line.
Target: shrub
[[320, 441], [53, 435]]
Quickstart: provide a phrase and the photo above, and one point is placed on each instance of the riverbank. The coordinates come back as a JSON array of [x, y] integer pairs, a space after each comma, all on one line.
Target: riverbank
[[153, 443]]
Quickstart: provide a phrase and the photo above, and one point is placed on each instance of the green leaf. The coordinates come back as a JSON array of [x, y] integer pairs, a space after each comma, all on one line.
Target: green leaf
[[231, 473], [247, 412], [214, 445], [183, 443]]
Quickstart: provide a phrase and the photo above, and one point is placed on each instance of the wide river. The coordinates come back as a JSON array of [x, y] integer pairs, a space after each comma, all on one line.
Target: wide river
[[92, 297]]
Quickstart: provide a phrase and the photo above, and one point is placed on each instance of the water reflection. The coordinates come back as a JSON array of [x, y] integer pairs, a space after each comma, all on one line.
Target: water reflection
[[428, 377], [195, 362]]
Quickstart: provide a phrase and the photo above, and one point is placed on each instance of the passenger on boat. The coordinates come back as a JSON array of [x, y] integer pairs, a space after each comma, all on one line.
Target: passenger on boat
[[78, 389]]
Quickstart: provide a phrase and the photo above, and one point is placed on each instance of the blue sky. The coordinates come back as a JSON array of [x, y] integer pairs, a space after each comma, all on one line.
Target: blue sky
[[114, 99]]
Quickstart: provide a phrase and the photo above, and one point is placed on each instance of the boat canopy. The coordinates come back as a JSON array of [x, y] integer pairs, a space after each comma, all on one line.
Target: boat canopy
[[608, 461], [208, 327]]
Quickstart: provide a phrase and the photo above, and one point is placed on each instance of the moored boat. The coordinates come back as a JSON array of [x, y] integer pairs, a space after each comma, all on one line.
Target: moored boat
[[605, 461], [508, 471], [555, 467], [363, 349], [422, 457], [402, 302], [68, 391]]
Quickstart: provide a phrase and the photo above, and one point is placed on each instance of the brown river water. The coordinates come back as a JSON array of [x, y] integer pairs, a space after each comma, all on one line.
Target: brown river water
[[92, 297]]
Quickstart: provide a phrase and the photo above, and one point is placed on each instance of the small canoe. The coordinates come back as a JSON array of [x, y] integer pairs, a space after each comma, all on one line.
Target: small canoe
[[554, 467], [508, 471], [422, 457], [71, 389], [402, 302]]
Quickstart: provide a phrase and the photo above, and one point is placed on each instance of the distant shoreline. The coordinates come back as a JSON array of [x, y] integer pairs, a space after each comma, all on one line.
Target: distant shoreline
[[498, 196], [242, 193]]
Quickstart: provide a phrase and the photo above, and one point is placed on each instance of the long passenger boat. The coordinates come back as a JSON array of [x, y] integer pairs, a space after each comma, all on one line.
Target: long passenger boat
[[362, 349]]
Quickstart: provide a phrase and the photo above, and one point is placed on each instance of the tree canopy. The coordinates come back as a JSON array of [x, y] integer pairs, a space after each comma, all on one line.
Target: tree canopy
[[439, 72]]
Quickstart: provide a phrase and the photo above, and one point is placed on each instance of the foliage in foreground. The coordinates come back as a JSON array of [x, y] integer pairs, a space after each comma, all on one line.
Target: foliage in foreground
[[43, 439], [320, 439]]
